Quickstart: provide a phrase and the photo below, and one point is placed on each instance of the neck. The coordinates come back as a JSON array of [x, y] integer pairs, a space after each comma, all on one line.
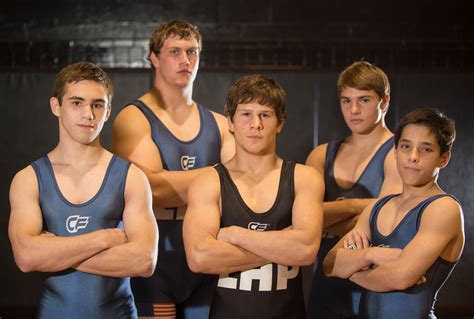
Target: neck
[[429, 189], [76, 154], [256, 164], [379, 133], [168, 97]]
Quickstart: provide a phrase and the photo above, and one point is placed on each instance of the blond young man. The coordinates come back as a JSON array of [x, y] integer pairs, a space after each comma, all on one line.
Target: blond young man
[[172, 138]]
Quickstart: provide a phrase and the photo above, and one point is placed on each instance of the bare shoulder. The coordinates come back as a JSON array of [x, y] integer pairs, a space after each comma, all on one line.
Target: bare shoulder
[[24, 184], [221, 121], [317, 157], [443, 209], [307, 176], [136, 174], [204, 184], [130, 118]]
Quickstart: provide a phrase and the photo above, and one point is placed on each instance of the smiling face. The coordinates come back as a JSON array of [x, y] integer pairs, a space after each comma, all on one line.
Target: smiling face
[[418, 155], [363, 110], [82, 112], [177, 62], [255, 128]]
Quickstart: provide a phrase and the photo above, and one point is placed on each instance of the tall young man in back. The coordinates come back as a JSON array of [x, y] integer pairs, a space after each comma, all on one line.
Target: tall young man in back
[[171, 138], [405, 246], [357, 169], [81, 214], [256, 218]]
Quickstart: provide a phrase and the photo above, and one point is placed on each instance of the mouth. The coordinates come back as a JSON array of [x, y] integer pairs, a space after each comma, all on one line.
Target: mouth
[[411, 169], [356, 121], [86, 126], [255, 137]]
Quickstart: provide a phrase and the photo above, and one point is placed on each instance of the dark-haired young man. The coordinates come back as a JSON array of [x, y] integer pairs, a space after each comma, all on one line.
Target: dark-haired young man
[[404, 247], [80, 214], [171, 138], [256, 218]]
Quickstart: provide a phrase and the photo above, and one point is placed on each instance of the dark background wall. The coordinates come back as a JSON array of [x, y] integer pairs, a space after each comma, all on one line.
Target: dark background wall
[[426, 50]]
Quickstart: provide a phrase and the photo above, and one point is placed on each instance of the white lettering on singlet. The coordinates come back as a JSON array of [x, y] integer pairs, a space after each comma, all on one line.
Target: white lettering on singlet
[[263, 274], [187, 162]]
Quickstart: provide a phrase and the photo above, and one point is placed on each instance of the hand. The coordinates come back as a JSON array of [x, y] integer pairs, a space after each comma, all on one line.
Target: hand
[[46, 233], [381, 255], [114, 237], [356, 239], [421, 281]]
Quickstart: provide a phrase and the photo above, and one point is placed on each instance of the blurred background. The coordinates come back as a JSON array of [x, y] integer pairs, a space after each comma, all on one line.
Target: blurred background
[[426, 48]]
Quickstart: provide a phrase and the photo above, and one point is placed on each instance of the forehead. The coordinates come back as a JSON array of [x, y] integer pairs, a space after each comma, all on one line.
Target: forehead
[[177, 41], [86, 89], [254, 106], [418, 133], [353, 92]]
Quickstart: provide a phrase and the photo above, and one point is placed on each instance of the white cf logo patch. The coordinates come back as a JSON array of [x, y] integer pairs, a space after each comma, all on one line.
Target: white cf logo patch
[[257, 226], [187, 162], [76, 222]]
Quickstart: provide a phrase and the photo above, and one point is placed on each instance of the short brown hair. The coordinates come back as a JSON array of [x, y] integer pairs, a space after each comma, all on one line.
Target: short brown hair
[[260, 89], [81, 71], [438, 124], [180, 28], [362, 75]]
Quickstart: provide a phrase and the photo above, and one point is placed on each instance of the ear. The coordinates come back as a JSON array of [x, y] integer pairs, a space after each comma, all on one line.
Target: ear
[[230, 124], [55, 106], [154, 60], [109, 110], [385, 103], [280, 126], [444, 159]]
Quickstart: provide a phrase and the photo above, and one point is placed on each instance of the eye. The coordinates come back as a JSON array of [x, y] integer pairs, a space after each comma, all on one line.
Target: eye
[[264, 116], [192, 52], [175, 51], [365, 100], [404, 146], [427, 149], [97, 105], [76, 103], [345, 101]]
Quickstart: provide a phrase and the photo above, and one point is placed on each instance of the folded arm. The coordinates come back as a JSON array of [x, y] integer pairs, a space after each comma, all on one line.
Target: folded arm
[[297, 245], [204, 253], [33, 251], [440, 235], [136, 257]]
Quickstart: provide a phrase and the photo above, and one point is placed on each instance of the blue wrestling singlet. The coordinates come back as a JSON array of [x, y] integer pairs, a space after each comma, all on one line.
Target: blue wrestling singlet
[[173, 281], [336, 298], [418, 301], [71, 293]]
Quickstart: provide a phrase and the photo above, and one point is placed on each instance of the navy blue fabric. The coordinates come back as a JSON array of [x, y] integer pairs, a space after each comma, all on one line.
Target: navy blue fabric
[[262, 292], [417, 301], [72, 293], [332, 298], [172, 280]]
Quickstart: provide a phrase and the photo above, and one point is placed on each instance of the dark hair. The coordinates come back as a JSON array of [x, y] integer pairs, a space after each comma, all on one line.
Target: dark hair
[[362, 75], [81, 71], [438, 124], [260, 89], [180, 28]]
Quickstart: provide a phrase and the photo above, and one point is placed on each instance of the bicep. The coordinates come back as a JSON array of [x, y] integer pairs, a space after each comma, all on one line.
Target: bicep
[[25, 215], [227, 139], [392, 183], [316, 158], [131, 139], [138, 218]]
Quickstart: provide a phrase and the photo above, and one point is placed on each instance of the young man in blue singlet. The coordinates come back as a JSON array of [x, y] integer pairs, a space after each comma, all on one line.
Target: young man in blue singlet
[[356, 169], [404, 247], [171, 138], [256, 218], [80, 214]]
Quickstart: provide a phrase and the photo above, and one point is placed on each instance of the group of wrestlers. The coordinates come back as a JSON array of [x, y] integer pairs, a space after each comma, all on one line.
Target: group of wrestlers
[[194, 215]]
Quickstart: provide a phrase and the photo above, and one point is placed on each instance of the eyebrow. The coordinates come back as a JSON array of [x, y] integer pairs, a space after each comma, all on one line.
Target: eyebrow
[[404, 140], [83, 99]]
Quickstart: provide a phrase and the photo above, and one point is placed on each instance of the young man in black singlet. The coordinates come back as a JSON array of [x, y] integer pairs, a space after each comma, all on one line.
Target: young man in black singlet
[[256, 218]]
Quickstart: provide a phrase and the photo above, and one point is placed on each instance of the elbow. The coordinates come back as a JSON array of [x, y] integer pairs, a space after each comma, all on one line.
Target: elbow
[[24, 263], [147, 264], [402, 281], [308, 256], [196, 262]]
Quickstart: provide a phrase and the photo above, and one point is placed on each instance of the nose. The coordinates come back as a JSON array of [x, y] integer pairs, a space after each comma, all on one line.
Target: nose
[[256, 122], [355, 108], [185, 58], [88, 112], [414, 155]]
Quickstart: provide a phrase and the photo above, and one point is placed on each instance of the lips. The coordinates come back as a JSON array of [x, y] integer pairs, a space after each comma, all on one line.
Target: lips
[[411, 169], [86, 126]]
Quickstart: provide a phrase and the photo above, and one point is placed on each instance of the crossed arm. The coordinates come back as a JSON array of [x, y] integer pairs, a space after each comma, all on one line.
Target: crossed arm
[[440, 235], [35, 251], [341, 216], [132, 140], [213, 250]]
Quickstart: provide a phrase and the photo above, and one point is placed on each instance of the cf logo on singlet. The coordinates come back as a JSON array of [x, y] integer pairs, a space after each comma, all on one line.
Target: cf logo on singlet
[[76, 222], [187, 162], [257, 226]]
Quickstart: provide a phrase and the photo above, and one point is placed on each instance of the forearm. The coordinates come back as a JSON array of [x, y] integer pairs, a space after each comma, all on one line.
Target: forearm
[[213, 256], [169, 188], [343, 210], [291, 247], [341, 228], [342, 262], [127, 260], [54, 253]]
